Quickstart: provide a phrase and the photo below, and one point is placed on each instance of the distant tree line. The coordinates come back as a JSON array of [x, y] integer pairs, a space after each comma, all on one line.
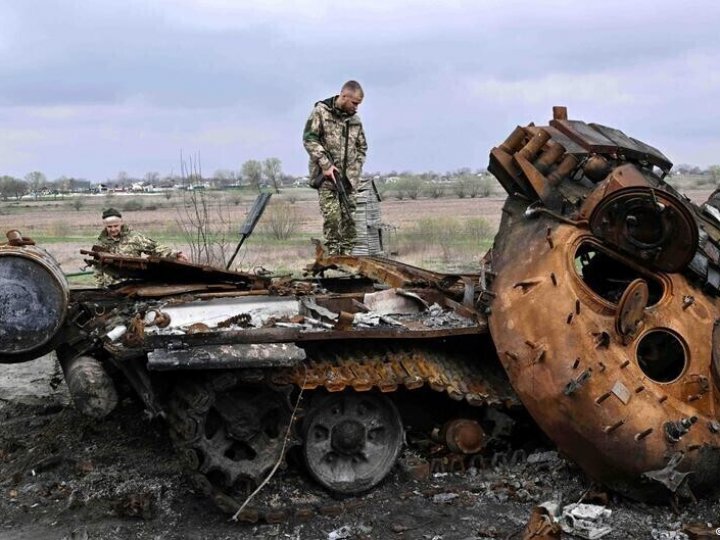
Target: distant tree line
[[268, 174], [36, 184], [460, 183]]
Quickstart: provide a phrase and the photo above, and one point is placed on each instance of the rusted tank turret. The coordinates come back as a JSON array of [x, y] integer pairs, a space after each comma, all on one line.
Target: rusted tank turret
[[33, 299], [606, 309]]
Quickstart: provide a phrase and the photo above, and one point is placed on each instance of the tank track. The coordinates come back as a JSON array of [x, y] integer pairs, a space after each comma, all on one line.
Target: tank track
[[334, 368], [459, 373]]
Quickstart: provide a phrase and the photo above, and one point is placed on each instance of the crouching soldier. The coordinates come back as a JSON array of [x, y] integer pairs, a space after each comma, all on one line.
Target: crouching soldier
[[119, 239]]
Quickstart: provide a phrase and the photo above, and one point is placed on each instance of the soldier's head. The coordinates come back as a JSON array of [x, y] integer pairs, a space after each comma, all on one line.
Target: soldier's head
[[350, 98], [112, 220]]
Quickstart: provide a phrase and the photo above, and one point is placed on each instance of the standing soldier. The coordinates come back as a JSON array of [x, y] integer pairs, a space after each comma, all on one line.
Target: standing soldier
[[335, 141], [117, 238]]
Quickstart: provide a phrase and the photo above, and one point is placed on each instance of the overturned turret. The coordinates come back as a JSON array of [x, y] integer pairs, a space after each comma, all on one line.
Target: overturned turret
[[605, 311]]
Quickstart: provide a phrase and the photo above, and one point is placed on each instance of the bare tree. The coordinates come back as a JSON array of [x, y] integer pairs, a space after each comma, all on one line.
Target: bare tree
[[225, 177], [206, 229], [12, 187], [714, 171], [272, 169], [409, 185], [252, 172], [281, 221], [152, 178], [36, 181], [122, 179], [434, 190], [62, 184]]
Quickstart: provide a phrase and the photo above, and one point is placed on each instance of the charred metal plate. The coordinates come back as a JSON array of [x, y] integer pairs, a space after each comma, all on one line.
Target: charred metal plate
[[227, 357], [584, 135], [540, 185], [571, 147], [634, 149], [504, 169], [168, 270], [652, 226], [393, 273], [632, 308]]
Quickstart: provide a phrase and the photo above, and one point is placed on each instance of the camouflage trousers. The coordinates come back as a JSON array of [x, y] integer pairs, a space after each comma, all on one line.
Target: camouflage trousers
[[338, 228]]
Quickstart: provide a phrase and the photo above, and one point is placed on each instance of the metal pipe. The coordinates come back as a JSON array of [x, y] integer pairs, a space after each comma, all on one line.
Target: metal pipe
[[548, 158], [566, 166], [92, 390], [463, 436], [530, 150], [514, 141]]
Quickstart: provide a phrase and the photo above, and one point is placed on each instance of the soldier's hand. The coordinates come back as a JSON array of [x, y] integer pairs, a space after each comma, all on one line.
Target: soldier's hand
[[182, 257], [330, 173]]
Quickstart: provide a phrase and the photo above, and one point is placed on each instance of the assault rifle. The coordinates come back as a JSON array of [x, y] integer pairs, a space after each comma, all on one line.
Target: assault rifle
[[340, 188], [345, 207]]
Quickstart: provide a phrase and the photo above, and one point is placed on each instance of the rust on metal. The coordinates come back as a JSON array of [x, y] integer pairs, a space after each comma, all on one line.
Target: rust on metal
[[412, 367], [647, 289], [463, 436], [393, 273], [169, 270]]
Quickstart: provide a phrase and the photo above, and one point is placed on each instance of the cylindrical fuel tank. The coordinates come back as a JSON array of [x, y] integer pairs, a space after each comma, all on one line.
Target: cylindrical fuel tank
[[463, 436], [33, 302], [91, 388]]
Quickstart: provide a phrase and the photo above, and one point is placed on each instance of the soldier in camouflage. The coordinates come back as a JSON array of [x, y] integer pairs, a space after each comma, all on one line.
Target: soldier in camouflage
[[117, 238], [335, 140]]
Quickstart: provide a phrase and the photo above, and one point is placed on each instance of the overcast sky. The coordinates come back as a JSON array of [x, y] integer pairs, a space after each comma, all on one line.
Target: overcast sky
[[88, 89]]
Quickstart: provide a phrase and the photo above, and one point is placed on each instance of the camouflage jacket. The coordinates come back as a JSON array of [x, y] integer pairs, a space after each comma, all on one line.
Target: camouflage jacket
[[128, 243], [334, 137]]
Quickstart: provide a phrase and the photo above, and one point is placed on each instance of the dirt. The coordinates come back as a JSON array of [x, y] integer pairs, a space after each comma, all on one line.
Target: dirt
[[66, 476]]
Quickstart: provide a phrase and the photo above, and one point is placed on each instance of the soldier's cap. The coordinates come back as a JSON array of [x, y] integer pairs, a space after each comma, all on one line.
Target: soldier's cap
[[111, 213]]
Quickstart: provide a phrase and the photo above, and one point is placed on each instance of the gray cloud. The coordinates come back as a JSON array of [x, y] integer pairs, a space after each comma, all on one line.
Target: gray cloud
[[89, 89]]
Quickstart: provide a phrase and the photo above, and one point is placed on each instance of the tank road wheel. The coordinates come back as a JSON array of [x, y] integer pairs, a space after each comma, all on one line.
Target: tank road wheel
[[352, 440], [232, 433]]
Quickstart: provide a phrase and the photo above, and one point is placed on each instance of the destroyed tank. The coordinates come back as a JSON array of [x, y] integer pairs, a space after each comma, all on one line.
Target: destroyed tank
[[595, 312], [247, 368]]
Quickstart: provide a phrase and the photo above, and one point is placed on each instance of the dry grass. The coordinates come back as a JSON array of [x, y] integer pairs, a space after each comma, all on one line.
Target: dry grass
[[446, 234]]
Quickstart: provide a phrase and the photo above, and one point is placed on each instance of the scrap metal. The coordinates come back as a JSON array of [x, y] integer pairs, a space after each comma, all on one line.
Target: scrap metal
[[169, 270], [593, 324]]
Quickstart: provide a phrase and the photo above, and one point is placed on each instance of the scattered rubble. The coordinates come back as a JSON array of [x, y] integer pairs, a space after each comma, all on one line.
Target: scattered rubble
[[586, 520], [120, 480]]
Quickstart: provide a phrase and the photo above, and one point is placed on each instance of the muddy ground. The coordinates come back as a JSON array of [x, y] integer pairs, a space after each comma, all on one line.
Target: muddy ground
[[65, 476]]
